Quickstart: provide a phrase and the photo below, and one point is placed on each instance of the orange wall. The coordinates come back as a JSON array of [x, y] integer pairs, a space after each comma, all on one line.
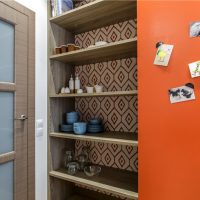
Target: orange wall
[[169, 134]]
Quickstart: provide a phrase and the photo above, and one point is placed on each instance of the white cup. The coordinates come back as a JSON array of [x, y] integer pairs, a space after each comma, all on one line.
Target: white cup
[[89, 89], [98, 88]]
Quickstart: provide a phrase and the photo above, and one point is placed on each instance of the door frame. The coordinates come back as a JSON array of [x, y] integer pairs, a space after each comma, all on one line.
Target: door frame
[[31, 95]]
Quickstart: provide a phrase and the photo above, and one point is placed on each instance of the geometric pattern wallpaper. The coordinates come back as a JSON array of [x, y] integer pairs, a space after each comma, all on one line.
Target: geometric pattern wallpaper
[[117, 113], [111, 155]]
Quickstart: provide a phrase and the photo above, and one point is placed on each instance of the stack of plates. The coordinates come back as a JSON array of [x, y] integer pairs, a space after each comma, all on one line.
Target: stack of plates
[[95, 126], [66, 128], [92, 128]]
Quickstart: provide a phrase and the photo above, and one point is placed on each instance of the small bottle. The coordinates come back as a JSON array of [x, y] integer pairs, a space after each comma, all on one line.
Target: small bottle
[[77, 83], [71, 84]]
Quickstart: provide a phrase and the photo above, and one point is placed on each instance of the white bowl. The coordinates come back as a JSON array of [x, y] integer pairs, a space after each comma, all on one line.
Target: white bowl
[[89, 89], [98, 88], [79, 91]]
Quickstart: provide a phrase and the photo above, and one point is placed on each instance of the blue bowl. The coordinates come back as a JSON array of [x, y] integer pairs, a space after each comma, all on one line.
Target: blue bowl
[[72, 121], [80, 128], [72, 117], [72, 114], [95, 121]]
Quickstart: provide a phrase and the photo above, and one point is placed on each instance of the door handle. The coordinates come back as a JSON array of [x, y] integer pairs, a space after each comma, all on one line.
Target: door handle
[[22, 118]]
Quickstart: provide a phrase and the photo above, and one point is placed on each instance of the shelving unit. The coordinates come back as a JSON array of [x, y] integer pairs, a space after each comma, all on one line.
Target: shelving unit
[[110, 51], [107, 137], [62, 30], [102, 94], [109, 180]]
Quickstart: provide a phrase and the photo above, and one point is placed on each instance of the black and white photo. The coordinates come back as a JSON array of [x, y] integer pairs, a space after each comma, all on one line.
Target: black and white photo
[[182, 93], [195, 29]]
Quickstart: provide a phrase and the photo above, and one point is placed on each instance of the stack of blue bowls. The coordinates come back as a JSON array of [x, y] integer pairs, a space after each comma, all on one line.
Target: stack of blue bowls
[[95, 126], [71, 118]]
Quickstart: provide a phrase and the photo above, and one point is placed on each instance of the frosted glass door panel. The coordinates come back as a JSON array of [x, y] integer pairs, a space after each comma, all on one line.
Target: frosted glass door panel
[[7, 37], [6, 121], [6, 181]]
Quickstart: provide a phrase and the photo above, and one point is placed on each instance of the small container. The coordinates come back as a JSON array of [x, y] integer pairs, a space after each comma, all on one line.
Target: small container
[[62, 90], [83, 161], [92, 170], [58, 50], [89, 89], [80, 128], [63, 49], [72, 168], [71, 84], [69, 157], [67, 90], [98, 88], [71, 47], [72, 117], [77, 47]]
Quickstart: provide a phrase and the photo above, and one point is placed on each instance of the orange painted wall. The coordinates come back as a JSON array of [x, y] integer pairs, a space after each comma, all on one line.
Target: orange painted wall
[[169, 134]]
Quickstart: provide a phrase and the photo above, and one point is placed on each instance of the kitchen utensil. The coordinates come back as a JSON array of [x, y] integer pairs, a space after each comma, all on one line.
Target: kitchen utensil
[[80, 128], [58, 50], [63, 49], [71, 47], [72, 117], [72, 168], [98, 88], [69, 157], [89, 89], [92, 170]]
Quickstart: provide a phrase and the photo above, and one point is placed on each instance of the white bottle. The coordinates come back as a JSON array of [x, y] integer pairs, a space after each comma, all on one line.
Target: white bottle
[[71, 84], [77, 83]]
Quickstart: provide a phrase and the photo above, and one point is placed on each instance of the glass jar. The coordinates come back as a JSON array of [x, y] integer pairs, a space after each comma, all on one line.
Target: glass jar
[[69, 157], [83, 158]]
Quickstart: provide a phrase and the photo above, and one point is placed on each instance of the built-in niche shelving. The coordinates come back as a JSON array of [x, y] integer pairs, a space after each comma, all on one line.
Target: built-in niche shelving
[[62, 29]]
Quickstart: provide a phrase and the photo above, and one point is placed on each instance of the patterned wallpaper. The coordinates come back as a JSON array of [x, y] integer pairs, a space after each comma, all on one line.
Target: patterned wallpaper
[[118, 113]]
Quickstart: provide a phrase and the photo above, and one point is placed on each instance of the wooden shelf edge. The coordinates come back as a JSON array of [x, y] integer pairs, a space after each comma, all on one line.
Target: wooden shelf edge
[[97, 11], [95, 185], [94, 138], [88, 50], [114, 93], [75, 10]]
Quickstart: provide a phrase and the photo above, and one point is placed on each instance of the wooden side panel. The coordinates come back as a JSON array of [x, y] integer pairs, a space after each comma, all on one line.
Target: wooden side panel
[[58, 77], [31, 106]]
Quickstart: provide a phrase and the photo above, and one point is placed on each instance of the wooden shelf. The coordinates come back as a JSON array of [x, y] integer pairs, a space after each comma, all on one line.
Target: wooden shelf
[[111, 51], [103, 94], [119, 182], [121, 138], [95, 15]]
